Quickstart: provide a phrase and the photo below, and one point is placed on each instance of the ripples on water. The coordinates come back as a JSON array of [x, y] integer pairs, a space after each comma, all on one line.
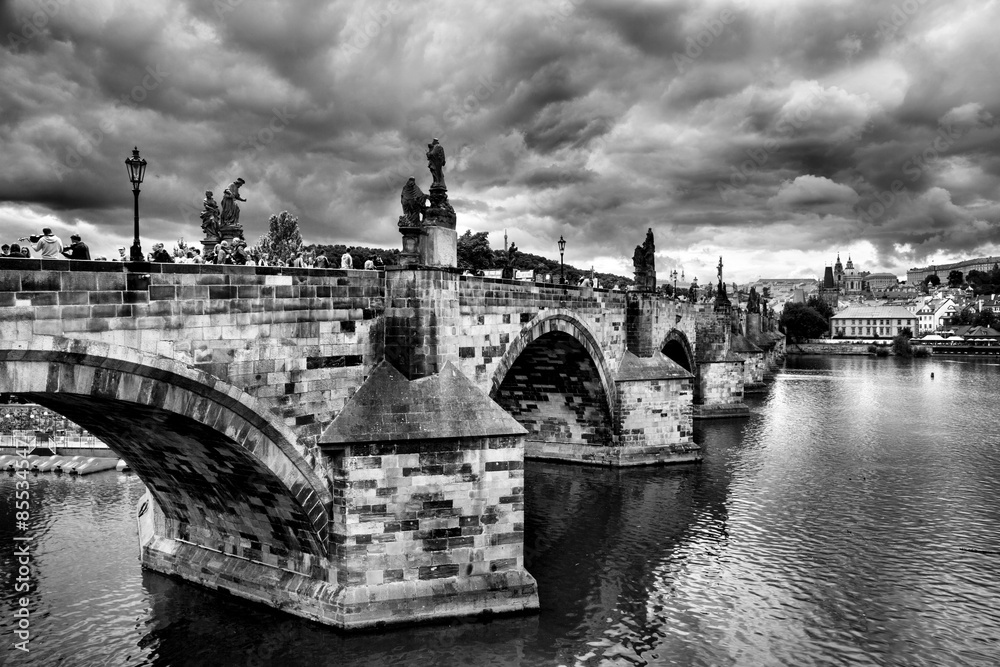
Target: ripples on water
[[851, 520]]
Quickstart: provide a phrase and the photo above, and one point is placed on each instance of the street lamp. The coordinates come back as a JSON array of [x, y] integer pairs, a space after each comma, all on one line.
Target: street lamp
[[562, 249], [673, 274], [136, 167]]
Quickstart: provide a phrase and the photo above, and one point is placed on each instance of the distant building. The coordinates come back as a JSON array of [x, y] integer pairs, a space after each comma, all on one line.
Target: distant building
[[984, 264], [936, 314], [852, 281], [881, 282], [828, 289], [872, 322]]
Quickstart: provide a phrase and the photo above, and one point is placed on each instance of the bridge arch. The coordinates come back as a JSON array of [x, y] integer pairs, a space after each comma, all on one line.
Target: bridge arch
[[554, 379], [677, 348], [225, 473]]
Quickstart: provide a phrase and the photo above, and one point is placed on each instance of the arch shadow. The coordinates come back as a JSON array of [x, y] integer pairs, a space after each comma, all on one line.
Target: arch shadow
[[676, 347], [558, 338], [225, 473]]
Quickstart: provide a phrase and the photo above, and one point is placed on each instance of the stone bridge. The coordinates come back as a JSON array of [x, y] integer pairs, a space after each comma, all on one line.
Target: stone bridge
[[348, 445]]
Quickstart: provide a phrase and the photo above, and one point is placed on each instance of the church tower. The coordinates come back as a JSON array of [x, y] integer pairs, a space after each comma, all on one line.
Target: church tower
[[838, 271]]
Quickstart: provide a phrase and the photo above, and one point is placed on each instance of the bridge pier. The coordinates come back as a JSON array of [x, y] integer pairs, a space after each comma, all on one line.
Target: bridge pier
[[428, 510], [719, 388]]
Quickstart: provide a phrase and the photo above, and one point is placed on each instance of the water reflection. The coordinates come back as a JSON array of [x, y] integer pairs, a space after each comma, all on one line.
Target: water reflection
[[851, 520]]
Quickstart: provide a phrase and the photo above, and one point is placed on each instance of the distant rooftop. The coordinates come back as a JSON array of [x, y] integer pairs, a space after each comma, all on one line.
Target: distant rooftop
[[862, 312]]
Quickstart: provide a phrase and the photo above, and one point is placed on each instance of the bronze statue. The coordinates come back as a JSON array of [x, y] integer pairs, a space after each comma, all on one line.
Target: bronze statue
[[230, 210], [435, 162], [210, 217], [413, 201]]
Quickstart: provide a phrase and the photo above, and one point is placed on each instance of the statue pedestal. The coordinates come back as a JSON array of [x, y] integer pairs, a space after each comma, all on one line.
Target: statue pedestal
[[230, 232], [439, 247], [208, 245], [411, 253]]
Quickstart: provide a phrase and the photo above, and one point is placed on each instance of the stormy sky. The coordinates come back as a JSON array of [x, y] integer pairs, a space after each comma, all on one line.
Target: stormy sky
[[773, 133]]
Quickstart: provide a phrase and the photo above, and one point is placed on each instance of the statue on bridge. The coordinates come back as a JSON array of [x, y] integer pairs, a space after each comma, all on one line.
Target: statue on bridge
[[414, 203], [230, 210], [435, 162], [440, 213], [210, 217], [644, 264]]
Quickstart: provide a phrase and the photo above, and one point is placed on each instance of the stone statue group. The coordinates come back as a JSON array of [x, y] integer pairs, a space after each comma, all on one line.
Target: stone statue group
[[214, 219], [416, 211]]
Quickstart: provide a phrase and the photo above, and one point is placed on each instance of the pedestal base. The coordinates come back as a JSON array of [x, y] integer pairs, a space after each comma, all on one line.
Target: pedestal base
[[439, 247]]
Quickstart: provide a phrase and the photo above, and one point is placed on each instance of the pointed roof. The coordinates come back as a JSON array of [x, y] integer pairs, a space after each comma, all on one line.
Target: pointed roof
[[656, 367], [741, 343], [389, 407]]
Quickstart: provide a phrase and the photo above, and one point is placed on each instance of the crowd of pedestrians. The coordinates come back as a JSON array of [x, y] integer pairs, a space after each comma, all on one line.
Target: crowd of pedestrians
[[49, 246]]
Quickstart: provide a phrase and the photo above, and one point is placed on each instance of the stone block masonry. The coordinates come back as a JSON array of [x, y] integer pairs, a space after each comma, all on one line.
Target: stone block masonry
[[349, 445]]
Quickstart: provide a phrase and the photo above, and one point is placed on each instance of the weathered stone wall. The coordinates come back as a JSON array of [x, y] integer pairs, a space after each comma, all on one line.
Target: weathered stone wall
[[496, 312], [656, 421], [554, 391], [721, 390], [754, 367], [428, 528], [830, 349], [301, 340]]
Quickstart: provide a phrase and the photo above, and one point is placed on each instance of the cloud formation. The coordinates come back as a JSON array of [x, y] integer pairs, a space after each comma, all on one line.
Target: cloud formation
[[773, 133]]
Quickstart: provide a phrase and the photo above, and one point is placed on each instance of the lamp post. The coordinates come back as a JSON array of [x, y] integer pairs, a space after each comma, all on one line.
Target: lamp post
[[673, 274], [136, 167], [562, 249]]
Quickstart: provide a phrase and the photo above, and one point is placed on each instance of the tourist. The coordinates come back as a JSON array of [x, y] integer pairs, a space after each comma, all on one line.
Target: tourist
[[223, 253], [15, 250], [346, 261], [121, 254], [322, 262], [160, 255], [48, 244], [25, 253], [77, 249], [369, 265], [239, 255], [4, 250]]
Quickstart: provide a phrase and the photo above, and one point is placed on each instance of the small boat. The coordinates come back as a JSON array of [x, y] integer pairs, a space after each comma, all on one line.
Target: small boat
[[92, 465], [46, 461], [65, 464], [48, 464]]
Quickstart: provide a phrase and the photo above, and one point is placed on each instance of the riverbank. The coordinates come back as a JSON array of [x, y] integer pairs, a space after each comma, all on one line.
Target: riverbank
[[832, 348]]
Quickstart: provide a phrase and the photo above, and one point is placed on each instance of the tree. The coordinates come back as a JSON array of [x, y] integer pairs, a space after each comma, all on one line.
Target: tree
[[283, 239], [901, 344], [955, 279], [474, 253], [986, 318], [821, 307], [976, 278], [931, 281], [800, 321]]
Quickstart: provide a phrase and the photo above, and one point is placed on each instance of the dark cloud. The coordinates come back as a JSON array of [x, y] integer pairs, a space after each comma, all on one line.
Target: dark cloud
[[791, 128]]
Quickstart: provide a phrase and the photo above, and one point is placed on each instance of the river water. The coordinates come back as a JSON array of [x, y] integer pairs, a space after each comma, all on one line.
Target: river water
[[851, 520]]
